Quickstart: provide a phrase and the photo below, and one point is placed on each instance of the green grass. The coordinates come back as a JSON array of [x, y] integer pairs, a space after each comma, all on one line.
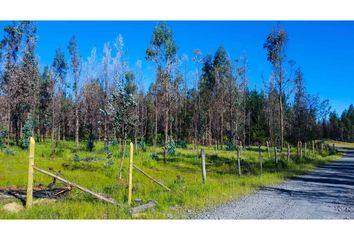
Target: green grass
[[222, 184], [340, 144]]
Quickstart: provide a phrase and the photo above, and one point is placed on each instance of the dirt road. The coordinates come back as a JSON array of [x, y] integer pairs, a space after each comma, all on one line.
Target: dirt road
[[326, 193]]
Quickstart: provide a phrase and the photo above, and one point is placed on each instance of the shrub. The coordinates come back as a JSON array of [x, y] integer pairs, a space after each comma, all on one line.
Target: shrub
[[3, 134], [9, 151], [114, 141], [109, 162], [142, 145], [171, 147], [154, 156], [90, 143], [181, 144]]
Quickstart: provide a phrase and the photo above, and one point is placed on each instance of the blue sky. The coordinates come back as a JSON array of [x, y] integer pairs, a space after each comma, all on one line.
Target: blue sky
[[324, 50]]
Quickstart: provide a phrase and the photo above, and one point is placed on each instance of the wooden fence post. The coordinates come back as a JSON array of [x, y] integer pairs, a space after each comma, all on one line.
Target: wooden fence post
[[288, 155], [29, 198], [300, 150], [238, 161], [260, 158], [130, 179], [268, 149], [202, 153], [305, 149], [275, 156]]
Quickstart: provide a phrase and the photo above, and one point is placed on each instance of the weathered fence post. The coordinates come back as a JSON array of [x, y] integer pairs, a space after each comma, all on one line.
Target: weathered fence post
[[238, 161], [334, 148], [203, 165], [275, 156], [130, 178], [297, 151], [305, 149], [260, 158], [288, 155], [29, 197], [300, 143], [268, 149]]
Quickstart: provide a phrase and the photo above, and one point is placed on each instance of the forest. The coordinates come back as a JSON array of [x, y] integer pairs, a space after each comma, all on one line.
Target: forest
[[103, 100]]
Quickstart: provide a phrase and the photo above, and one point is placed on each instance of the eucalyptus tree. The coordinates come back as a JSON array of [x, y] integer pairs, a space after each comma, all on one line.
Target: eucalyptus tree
[[106, 61], [10, 48], [30, 72], [241, 70], [222, 73], [75, 63], [162, 51], [59, 68], [206, 95], [45, 102], [122, 106], [275, 45]]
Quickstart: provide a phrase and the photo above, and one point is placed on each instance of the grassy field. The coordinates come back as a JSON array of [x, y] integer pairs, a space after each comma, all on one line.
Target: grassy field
[[340, 144], [190, 194]]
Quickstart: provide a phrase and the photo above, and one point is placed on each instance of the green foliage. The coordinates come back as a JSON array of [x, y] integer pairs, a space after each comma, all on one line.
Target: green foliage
[[9, 151], [275, 45], [90, 142], [109, 159], [3, 134], [171, 147], [154, 156], [181, 144], [76, 157], [121, 107], [114, 141], [162, 45], [142, 145], [230, 143], [27, 132]]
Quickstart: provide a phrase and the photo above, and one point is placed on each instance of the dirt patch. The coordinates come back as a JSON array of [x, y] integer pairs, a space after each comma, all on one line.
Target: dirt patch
[[13, 207]]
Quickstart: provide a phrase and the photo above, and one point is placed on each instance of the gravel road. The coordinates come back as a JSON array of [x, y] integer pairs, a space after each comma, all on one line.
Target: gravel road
[[325, 193]]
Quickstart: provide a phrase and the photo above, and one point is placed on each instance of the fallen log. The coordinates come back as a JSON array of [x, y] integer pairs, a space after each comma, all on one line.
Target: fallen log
[[96, 195], [148, 205], [148, 176]]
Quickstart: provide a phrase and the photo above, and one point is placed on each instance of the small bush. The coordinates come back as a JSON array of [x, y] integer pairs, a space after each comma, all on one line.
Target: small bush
[[171, 147], [76, 158], [181, 144], [114, 141], [3, 134], [142, 146], [90, 143], [154, 156], [9, 151], [109, 162]]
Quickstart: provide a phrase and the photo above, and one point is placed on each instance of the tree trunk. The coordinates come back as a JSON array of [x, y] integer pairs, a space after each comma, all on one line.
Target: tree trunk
[[166, 137], [9, 124], [221, 130], [76, 122], [281, 108], [122, 158], [155, 134]]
